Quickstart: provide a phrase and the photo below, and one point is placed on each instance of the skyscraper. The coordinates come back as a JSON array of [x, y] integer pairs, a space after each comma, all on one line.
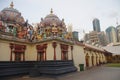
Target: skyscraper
[[75, 35], [96, 38], [118, 33], [111, 34], [96, 25]]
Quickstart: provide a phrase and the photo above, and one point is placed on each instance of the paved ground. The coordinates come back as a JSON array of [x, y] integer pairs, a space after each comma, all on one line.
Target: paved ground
[[96, 73]]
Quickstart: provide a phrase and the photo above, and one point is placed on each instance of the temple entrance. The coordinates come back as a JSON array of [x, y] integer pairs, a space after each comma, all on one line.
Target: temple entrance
[[64, 52], [19, 52], [92, 57], [18, 57], [87, 60], [96, 60], [65, 55], [41, 52], [40, 56]]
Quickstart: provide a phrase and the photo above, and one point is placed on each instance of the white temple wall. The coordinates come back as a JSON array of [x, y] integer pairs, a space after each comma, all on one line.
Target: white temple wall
[[31, 53], [58, 51], [50, 52], [4, 51], [78, 56]]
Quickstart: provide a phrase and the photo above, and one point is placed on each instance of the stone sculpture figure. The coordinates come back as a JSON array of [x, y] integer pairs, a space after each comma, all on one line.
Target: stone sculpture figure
[[44, 36], [14, 31], [20, 34], [30, 33]]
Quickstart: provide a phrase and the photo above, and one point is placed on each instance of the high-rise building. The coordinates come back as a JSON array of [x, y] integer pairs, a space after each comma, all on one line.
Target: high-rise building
[[96, 38], [75, 35], [86, 37], [96, 25], [102, 38], [118, 33], [111, 34], [93, 37]]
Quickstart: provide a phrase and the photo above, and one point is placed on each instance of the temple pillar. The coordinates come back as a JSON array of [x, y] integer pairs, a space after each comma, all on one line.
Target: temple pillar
[[54, 44], [72, 52], [11, 47], [45, 46], [24, 48]]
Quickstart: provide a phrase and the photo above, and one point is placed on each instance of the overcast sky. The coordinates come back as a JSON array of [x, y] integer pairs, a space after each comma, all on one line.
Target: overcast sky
[[79, 13]]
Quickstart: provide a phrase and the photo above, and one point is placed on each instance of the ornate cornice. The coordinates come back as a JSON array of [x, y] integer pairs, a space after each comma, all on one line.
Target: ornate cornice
[[12, 39]]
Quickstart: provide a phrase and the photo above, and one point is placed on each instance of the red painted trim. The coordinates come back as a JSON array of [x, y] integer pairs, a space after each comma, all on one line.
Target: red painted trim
[[54, 54], [11, 55], [20, 49], [64, 51], [11, 47], [41, 49], [61, 55]]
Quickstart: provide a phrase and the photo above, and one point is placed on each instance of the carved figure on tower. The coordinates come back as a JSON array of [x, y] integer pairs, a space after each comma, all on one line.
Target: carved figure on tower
[[30, 33], [14, 31], [52, 26]]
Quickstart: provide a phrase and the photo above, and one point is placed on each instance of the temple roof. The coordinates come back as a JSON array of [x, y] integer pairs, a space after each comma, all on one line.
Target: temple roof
[[52, 19], [11, 14]]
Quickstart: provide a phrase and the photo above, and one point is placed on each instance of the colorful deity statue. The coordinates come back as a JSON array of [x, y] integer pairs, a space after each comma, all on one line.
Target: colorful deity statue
[[63, 35], [7, 29], [39, 37], [11, 29], [30, 33], [25, 31], [14, 31], [44, 35], [20, 34], [68, 36], [54, 31]]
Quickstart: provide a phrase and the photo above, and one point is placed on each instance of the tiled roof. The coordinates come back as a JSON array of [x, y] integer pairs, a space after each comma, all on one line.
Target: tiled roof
[[113, 49], [93, 47]]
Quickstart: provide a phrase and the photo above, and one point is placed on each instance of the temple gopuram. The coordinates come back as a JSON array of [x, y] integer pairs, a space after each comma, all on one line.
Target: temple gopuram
[[47, 48]]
